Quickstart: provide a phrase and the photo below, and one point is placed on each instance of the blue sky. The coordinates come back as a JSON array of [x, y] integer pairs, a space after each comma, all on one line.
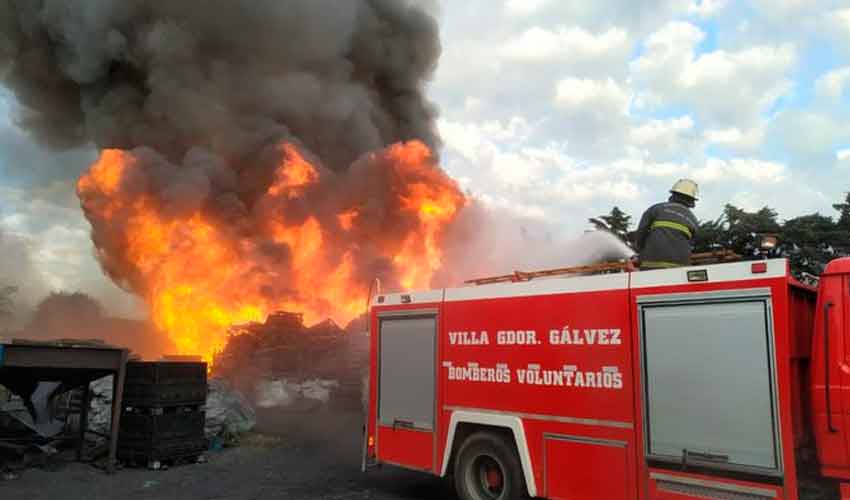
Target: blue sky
[[558, 111]]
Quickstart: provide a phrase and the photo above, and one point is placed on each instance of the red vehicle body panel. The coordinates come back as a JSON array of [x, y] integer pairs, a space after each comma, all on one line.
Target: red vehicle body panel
[[563, 359], [408, 448], [586, 468], [830, 376]]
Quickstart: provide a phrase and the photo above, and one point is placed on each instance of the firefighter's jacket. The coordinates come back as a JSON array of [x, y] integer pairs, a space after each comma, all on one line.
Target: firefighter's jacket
[[665, 234]]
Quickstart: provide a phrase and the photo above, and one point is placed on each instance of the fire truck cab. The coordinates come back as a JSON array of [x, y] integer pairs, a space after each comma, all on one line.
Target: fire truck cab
[[726, 381]]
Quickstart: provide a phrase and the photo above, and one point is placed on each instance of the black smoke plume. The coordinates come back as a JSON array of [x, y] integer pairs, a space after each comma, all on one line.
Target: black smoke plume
[[343, 77]]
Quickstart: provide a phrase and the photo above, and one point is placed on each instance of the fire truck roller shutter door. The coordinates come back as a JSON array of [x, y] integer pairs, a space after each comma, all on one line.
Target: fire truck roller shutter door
[[406, 392], [406, 389], [709, 380]]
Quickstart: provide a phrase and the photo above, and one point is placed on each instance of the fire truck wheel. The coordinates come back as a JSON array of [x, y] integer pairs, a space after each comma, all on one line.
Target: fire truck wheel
[[487, 468]]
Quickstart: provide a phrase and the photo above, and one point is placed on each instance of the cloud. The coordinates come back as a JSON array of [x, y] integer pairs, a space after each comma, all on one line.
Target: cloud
[[737, 139], [839, 20], [466, 67], [474, 139], [634, 17], [663, 137], [593, 116], [809, 135], [725, 88], [707, 8], [834, 83], [18, 269], [525, 7], [794, 17], [787, 7], [842, 158], [482, 164], [638, 167], [576, 95], [668, 50], [502, 165], [591, 185], [567, 46], [757, 171], [689, 102], [499, 163], [58, 243]]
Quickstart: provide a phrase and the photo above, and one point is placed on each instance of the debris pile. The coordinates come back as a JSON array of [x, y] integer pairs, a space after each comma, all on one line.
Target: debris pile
[[284, 363], [35, 430], [309, 394], [100, 407], [228, 411]]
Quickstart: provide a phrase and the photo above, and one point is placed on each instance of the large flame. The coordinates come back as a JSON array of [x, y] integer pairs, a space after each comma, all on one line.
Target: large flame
[[199, 276]]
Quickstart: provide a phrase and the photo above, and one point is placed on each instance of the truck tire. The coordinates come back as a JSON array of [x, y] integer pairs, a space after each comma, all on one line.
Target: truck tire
[[487, 468]]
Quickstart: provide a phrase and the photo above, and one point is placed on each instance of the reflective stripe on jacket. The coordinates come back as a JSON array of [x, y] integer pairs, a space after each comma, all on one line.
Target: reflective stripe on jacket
[[665, 234]]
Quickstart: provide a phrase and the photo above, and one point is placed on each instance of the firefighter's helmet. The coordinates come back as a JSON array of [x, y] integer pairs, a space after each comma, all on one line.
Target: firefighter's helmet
[[687, 188]]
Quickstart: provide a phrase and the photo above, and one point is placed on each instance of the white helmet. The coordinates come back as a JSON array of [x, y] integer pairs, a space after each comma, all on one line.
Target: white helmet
[[686, 187]]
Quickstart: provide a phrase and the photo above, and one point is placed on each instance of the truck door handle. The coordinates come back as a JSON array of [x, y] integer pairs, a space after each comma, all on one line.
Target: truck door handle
[[402, 424], [705, 457], [826, 308]]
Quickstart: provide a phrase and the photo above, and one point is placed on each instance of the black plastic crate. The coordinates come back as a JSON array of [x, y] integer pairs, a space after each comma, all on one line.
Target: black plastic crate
[[159, 384], [166, 372], [165, 395], [162, 452], [146, 429]]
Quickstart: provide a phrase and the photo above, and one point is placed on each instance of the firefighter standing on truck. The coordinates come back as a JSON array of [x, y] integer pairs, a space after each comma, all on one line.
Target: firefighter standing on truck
[[667, 229]]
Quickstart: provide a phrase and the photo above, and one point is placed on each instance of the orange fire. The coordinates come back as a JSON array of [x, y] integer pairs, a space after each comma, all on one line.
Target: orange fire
[[199, 276]]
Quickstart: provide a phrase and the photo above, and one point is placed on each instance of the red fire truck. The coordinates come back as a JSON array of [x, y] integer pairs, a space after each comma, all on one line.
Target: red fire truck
[[726, 381]]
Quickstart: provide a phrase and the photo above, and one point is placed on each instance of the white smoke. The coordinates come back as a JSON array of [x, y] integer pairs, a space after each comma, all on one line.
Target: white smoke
[[18, 270], [489, 242]]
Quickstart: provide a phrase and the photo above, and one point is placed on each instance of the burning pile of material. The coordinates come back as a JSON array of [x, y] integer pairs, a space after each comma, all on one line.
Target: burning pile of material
[[282, 361], [255, 155]]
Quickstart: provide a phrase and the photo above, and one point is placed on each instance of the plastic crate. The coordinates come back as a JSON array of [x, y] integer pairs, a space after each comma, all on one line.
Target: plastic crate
[[162, 452], [137, 395], [142, 428], [159, 384], [166, 372]]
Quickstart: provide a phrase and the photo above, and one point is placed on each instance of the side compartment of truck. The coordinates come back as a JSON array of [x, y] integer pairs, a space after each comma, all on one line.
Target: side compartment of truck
[[405, 388], [709, 394]]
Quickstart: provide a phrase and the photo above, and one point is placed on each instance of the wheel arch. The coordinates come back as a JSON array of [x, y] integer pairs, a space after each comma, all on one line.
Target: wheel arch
[[465, 423]]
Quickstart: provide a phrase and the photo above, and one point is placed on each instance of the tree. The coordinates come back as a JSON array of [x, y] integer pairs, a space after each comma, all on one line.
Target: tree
[[736, 229], [844, 211], [809, 242], [743, 226], [618, 222], [65, 314], [710, 236], [810, 230]]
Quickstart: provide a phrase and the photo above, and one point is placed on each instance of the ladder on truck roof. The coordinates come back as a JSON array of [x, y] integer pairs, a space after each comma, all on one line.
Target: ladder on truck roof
[[697, 259]]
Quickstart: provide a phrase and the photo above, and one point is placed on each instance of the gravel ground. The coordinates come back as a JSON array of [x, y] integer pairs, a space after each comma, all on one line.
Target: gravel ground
[[290, 457]]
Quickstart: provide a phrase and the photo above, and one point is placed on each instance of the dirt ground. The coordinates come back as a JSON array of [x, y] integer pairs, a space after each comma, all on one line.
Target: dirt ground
[[290, 457]]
